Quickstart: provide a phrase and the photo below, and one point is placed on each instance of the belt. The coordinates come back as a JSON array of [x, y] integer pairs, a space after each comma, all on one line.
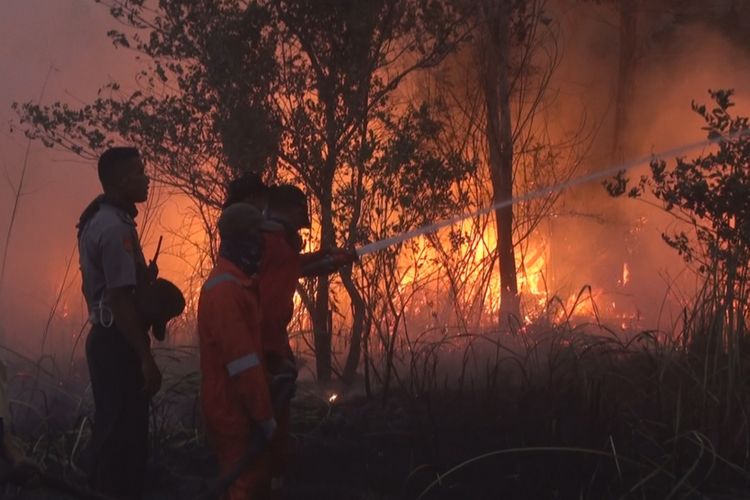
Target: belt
[[101, 315]]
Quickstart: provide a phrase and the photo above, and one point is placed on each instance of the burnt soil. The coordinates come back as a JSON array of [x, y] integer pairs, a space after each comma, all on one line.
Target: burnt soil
[[546, 446]]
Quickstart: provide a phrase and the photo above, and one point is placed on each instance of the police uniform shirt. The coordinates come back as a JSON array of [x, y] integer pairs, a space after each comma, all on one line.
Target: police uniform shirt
[[110, 254]]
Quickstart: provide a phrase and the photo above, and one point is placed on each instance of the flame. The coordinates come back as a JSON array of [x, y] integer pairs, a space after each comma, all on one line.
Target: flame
[[625, 274], [421, 267], [420, 276]]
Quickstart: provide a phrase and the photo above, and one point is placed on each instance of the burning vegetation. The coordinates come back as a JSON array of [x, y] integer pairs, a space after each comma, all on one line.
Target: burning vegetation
[[566, 342]]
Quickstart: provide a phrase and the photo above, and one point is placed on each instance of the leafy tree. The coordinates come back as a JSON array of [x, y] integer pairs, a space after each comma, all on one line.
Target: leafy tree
[[202, 109], [515, 54], [300, 89], [411, 183], [341, 63]]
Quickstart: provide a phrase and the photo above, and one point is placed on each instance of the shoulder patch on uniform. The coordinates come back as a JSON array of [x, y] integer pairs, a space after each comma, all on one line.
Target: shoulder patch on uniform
[[127, 243]]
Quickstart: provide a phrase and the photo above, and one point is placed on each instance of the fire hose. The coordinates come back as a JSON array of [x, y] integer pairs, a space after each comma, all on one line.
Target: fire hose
[[608, 172], [258, 442]]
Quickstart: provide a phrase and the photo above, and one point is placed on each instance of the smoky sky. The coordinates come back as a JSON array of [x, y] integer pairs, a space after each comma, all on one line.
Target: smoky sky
[[64, 42], [674, 69]]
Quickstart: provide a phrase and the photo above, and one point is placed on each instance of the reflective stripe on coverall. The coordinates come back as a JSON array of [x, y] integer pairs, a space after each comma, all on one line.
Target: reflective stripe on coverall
[[234, 389]]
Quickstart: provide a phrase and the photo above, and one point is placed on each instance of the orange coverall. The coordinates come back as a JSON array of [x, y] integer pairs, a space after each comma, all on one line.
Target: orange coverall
[[234, 391], [279, 272]]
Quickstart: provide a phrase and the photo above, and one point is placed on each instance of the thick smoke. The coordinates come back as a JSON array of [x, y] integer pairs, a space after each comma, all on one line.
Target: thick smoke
[[59, 51], [593, 235], [590, 236]]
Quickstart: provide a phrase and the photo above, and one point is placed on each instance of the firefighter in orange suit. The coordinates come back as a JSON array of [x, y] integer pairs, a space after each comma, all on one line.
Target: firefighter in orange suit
[[235, 394], [281, 266], [278, 212]]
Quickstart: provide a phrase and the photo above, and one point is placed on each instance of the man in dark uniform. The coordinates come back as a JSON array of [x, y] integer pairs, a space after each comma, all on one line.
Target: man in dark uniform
[[124, 375]]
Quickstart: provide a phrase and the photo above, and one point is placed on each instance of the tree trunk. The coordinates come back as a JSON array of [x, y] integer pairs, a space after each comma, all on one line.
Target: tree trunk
[[625, 75], [366, 355], [320, 316], [358, 303], [355, 346], [496, 51]]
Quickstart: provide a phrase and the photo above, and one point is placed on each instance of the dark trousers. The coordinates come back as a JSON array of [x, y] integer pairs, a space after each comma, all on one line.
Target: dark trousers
[[119, 446]]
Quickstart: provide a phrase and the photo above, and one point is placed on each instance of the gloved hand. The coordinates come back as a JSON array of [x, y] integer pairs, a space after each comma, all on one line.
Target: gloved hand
[[268, 428]]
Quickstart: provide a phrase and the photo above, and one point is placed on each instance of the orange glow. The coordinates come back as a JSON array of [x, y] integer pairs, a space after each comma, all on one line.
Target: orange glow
[[625, 274]]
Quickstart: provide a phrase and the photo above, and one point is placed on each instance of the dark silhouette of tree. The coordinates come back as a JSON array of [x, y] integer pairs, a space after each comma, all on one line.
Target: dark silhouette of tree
[[341, 62], [299, 89], [516, 54]]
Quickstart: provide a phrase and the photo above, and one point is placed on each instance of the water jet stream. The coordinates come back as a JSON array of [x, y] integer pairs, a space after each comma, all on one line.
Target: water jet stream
[[376, 246]]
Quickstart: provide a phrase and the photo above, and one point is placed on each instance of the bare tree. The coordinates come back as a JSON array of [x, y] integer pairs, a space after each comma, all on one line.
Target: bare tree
[[299, 89], [494, 26], [517, 54]]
